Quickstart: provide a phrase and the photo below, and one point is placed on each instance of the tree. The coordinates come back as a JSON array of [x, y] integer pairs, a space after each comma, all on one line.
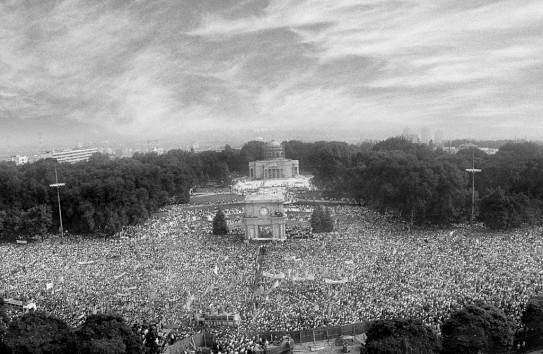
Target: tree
[[220, 227], [532, 317], [37, 332], [252, 151], [37, 220], [4, 321], [12, 224], [397, 144], [316, 219], [401, 336], [105, 334], [327, 221], [474, 329], [494, 210], [502, 211]]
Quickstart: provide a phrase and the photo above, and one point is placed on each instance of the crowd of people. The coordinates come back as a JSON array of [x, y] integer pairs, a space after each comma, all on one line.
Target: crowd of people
[[370, 268]]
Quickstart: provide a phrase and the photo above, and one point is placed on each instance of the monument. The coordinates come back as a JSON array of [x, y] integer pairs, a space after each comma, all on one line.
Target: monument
[[274, 165], [264, 217]]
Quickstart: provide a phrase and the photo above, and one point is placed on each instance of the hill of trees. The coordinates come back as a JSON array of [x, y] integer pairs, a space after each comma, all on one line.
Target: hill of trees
[[422, 185], [429, 186]]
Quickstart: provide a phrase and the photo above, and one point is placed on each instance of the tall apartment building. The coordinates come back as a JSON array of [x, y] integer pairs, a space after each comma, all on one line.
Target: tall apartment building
[[73, 156]]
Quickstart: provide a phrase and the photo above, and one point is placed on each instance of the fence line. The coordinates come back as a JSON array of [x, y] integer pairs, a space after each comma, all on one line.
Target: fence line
[[315, 334], [205, 339]]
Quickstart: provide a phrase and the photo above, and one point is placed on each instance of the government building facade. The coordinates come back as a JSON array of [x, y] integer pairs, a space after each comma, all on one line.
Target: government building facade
[[274, 165], [264, 217]]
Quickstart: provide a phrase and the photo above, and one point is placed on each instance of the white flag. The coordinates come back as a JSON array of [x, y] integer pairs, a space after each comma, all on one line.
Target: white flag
[[49, 286], [216, 270]]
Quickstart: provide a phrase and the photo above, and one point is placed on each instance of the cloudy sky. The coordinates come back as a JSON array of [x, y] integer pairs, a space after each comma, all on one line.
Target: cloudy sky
[[147, 68]]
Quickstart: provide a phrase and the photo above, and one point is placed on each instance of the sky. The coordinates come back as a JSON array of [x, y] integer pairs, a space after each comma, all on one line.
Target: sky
[[140, 69]]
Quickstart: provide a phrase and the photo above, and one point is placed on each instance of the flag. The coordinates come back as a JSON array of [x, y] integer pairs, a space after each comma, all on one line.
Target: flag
[[394, 252], [208, 289], [451, 233], [259, 291], [216, 270], [275, 285], [49, 286], [188, 304]]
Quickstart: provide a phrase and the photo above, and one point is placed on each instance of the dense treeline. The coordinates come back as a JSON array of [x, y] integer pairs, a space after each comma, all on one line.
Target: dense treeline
[[100, 195], [38, 332], [431, 186], [421, 184]]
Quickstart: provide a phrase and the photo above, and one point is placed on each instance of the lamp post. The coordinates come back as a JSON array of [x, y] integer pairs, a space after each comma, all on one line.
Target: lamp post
[[58, 185], [473, 171]]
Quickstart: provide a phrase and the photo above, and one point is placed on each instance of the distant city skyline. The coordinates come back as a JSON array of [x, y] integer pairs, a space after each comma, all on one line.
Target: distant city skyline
[[79, 71]]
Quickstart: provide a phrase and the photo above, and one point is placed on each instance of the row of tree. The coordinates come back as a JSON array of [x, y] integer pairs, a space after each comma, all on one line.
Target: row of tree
[[99, 196], [38, 332], [421, 184], [431, 186], [481, 329]]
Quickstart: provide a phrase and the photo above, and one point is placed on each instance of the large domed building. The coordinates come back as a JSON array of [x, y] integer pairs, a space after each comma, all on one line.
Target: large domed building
[[274, 165]]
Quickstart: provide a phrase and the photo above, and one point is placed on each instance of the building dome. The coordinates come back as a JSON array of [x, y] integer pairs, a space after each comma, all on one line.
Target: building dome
[[273, 144], [274, 150]]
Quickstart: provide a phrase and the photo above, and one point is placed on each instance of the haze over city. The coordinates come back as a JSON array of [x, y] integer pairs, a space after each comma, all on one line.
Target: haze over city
[[85, 71]]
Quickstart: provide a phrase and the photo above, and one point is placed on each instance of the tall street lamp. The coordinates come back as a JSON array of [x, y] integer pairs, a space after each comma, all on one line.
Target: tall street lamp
[[58, 185], [473, 171]]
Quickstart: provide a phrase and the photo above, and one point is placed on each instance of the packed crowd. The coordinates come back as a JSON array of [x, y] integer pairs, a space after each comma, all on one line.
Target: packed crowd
[[247, 185], [370, 268], [298, 231]]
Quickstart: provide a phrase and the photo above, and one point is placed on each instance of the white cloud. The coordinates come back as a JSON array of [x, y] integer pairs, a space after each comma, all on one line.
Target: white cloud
[[139, 66]]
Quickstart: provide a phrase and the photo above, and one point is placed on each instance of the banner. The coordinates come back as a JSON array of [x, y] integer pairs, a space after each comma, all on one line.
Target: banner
[[30, 306], [13, 302], [273, 276], [85, 263], [188, 304], [22, 242], [342, 281], [123, 294], [130, 289], [275, 285], [119, 276], [292, 258], [307, 278]]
